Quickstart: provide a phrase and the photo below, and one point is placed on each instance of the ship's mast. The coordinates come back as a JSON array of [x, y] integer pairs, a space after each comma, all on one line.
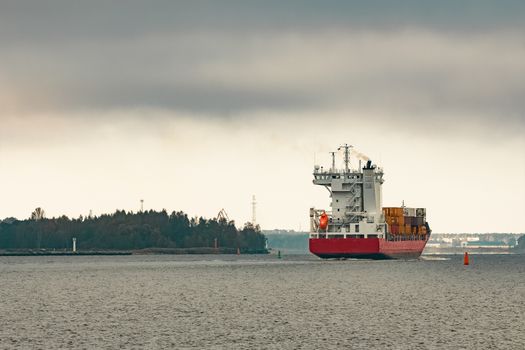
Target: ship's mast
[[333, 161], [346, 147]]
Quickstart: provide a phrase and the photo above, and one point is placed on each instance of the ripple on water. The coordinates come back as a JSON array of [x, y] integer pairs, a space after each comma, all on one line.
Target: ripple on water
[[227, 302]]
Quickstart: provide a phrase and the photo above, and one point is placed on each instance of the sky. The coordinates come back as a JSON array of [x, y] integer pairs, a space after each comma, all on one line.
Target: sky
[[198, 105]]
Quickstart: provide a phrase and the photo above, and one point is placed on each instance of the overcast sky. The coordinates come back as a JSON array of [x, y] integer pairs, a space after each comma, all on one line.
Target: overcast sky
[[197, 105]]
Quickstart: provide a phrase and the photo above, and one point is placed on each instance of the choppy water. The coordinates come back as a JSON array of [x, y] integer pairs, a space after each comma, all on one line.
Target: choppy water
[[247, 302]]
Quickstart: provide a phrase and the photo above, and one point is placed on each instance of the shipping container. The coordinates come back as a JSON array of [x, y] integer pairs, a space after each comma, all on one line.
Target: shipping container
[[394, 229], [422, 212], [419, 220], [391, 211], [409, 211], [394, 220]]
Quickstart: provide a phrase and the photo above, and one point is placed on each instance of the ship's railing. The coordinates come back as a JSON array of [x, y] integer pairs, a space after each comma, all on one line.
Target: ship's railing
[[331, 234], [331, 171], [411, 237], [331, 175]]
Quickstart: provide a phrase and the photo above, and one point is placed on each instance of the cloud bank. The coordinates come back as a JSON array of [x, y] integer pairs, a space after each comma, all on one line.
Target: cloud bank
[[241, 81]]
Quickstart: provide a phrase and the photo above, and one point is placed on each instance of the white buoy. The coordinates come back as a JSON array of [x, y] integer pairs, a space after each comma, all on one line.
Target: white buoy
[[74, 245]]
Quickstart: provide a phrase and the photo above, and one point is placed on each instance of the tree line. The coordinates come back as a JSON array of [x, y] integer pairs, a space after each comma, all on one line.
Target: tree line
[[129, 231]]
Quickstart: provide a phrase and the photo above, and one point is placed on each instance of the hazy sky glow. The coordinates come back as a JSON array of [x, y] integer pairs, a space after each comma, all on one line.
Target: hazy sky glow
[[197, 105]]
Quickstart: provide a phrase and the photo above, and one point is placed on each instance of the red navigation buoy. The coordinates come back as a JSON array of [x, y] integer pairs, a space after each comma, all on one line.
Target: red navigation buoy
[[465, 259], [323, 221]]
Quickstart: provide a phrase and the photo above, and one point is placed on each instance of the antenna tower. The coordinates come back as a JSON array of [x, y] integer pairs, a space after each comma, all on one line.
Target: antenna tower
[[254, 203]]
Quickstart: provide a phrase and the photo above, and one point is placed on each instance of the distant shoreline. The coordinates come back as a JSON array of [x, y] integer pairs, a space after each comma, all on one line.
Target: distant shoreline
[[461, 250], [24, 252], [146, 251], [222, 251]]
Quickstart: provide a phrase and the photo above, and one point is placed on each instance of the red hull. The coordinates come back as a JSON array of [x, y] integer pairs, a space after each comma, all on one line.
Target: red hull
[[367, 248]]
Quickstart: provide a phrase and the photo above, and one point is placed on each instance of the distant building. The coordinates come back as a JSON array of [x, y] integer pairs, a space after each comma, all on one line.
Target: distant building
[[473, 240]]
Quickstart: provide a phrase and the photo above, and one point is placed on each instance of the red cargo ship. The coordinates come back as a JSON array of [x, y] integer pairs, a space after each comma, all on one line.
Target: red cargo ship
[[358, 226]]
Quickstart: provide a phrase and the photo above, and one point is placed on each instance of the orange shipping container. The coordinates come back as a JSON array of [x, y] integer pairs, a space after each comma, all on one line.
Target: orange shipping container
[[395, 220], [389, 211]]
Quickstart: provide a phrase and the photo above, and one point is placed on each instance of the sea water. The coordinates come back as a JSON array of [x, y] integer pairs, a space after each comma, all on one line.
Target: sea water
[[261, 302]]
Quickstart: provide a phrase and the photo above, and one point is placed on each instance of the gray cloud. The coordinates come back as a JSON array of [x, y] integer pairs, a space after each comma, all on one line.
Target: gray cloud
[[424, 62], [64, 19], [106, 102]]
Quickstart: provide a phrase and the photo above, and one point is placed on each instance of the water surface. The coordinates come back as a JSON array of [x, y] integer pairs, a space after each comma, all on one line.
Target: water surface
[[246, 302]]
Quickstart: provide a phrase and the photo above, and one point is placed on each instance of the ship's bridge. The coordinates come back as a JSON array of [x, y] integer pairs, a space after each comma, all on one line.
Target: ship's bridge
[[325, 178]]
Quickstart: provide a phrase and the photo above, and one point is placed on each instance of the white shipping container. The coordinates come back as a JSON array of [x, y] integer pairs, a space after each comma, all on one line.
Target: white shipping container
[[409, 211]]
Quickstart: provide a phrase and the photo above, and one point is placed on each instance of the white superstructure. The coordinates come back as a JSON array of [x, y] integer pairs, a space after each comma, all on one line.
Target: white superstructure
[[356, 207]]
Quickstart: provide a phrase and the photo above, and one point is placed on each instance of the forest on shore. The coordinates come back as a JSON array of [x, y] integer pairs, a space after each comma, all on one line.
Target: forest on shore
[[129, 231]]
